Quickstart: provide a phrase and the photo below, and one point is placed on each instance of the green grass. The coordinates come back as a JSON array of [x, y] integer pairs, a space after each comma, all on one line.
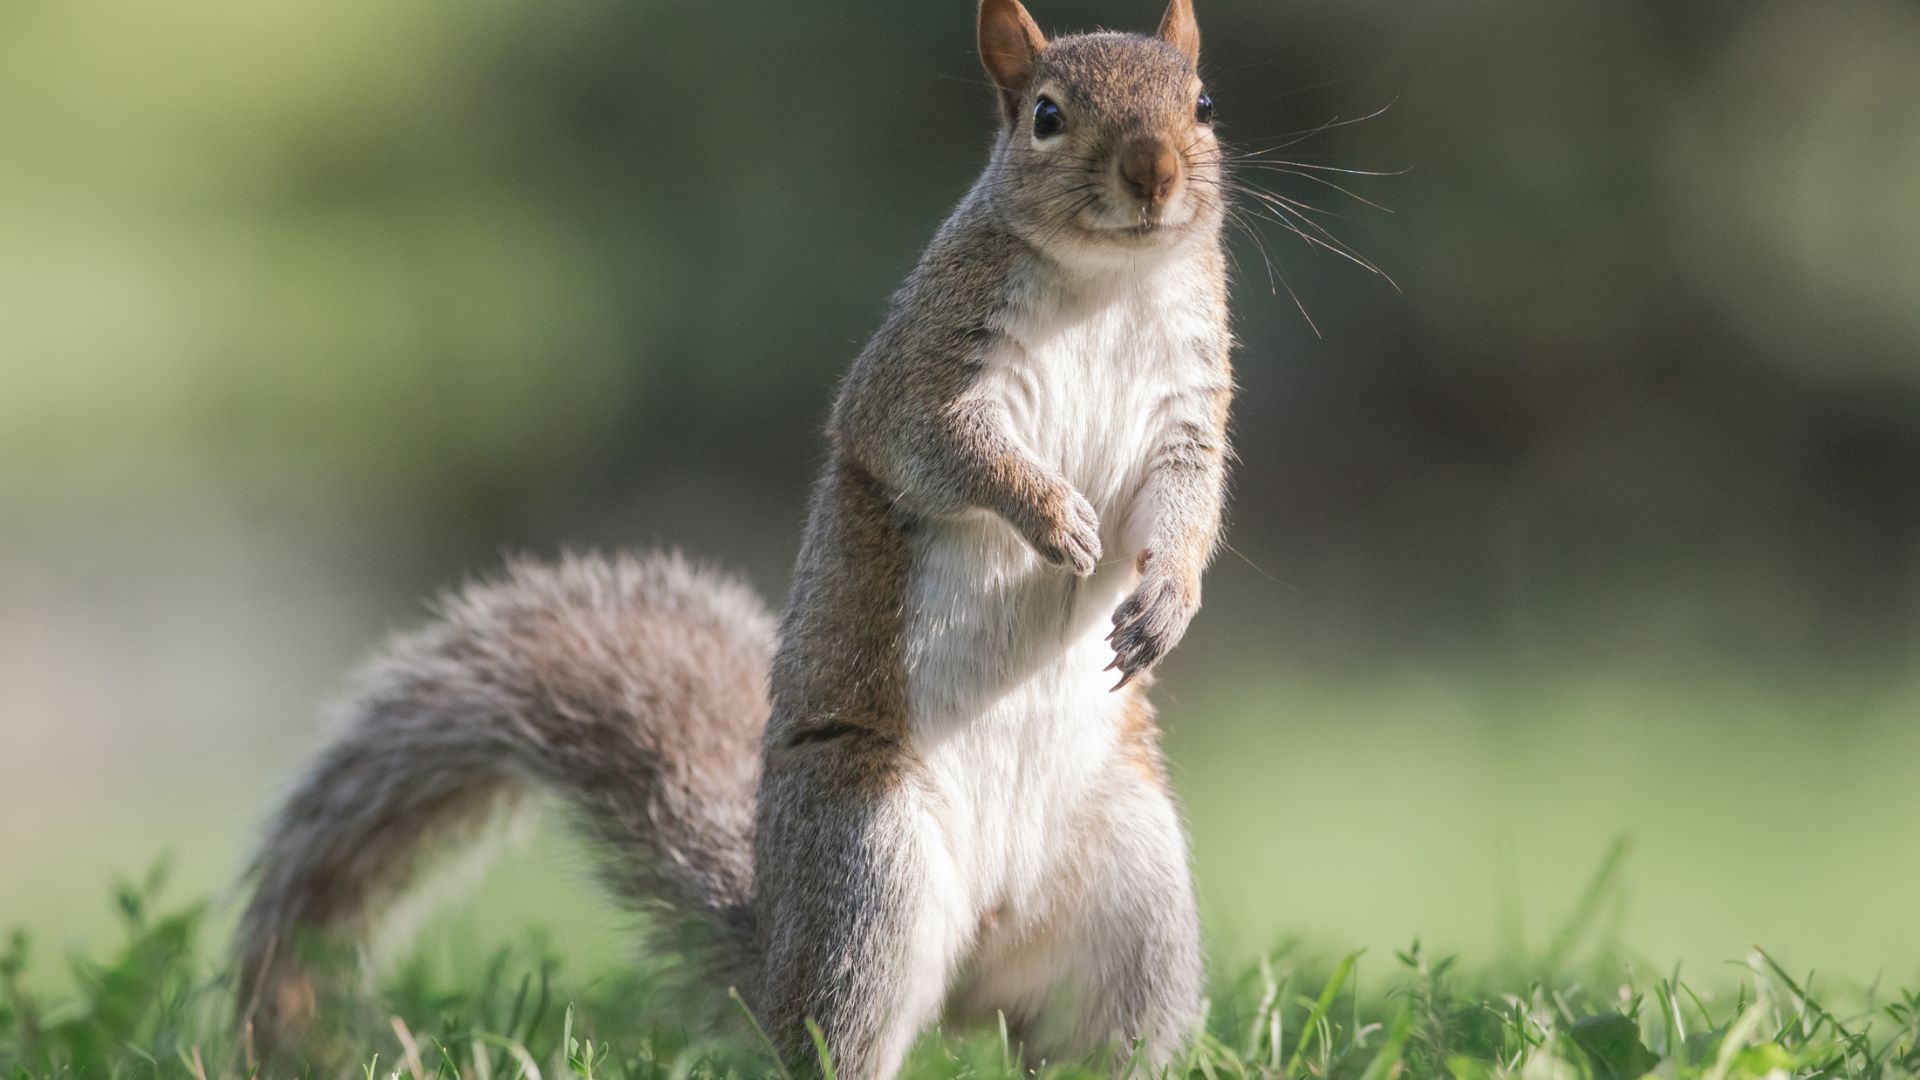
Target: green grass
[[1473, 809], [154, 1007], [1460, 805]]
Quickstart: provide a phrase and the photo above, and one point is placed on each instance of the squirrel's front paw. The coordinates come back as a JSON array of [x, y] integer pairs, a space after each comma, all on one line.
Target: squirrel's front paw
[[1070, 536], [1148, 624]]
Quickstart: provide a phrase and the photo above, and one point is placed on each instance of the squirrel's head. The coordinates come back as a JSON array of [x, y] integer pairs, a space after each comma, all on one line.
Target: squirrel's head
[[1106, 139]]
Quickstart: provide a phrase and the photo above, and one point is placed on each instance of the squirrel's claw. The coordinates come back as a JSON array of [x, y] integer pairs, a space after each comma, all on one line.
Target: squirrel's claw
[[1148, 624]]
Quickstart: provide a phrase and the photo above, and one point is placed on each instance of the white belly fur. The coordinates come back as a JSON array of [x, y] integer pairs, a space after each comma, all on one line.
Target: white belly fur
[[1011, 712]]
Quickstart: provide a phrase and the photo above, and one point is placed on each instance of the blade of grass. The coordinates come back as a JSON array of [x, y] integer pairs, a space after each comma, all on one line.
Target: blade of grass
[[820, 1047], [1581, 916], [773, 1051], [409, 1049], [1386, 1062], [1320, 1007], [1738, 1036], [529, 1068]]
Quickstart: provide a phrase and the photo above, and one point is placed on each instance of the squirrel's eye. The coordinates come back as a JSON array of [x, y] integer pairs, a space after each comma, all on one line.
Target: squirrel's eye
[[1048, 120], [1203, 109]]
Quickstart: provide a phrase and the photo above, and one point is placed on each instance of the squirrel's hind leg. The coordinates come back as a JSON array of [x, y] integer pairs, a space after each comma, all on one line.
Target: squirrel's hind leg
[[1116, 957], [1136, 941], [860, 909]]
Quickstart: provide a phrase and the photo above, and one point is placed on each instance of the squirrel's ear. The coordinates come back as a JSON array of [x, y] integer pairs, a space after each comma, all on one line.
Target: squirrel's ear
[[1010, 44], [1180, 31]]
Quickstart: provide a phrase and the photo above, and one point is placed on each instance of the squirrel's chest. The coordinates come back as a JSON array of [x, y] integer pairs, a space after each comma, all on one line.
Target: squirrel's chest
[[1005, 655], [991, 628], [1085, 390]]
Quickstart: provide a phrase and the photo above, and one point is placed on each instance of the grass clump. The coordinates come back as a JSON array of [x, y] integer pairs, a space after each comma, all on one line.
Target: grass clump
[[155, 1008]]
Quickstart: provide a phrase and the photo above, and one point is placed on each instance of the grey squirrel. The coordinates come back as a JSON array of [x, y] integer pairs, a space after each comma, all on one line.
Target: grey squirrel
[[936, 789]]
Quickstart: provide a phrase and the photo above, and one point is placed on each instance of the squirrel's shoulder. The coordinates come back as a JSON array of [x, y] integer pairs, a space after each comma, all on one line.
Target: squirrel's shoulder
[[944, 312], [966, 271]]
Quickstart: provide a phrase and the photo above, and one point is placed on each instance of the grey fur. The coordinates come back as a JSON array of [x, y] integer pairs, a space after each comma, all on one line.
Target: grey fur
[[634, 688]]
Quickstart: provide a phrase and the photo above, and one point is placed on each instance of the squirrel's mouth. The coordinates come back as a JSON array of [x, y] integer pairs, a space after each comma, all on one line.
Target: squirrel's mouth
[[1137, 231], [1129, 222]]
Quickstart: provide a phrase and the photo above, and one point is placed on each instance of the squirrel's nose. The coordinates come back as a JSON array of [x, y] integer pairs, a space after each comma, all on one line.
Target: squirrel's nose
[[1150, 169]]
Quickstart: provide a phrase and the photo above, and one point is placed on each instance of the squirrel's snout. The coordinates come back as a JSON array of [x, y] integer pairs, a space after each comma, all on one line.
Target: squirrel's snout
[[1150, 170]]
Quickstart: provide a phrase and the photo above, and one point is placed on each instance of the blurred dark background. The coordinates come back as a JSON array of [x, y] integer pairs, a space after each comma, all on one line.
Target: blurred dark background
[[1606, 522]]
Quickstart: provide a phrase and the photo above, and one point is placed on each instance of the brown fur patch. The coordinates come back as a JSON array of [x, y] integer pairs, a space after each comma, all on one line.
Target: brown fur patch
[[1140, 738], [295, 1001], [839, 668]]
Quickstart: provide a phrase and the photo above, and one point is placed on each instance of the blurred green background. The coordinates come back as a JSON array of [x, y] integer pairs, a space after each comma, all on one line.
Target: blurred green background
[[1608, 524]]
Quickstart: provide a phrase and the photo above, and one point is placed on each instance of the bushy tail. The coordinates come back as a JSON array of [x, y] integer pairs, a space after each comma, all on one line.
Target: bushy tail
[[634, 689]]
